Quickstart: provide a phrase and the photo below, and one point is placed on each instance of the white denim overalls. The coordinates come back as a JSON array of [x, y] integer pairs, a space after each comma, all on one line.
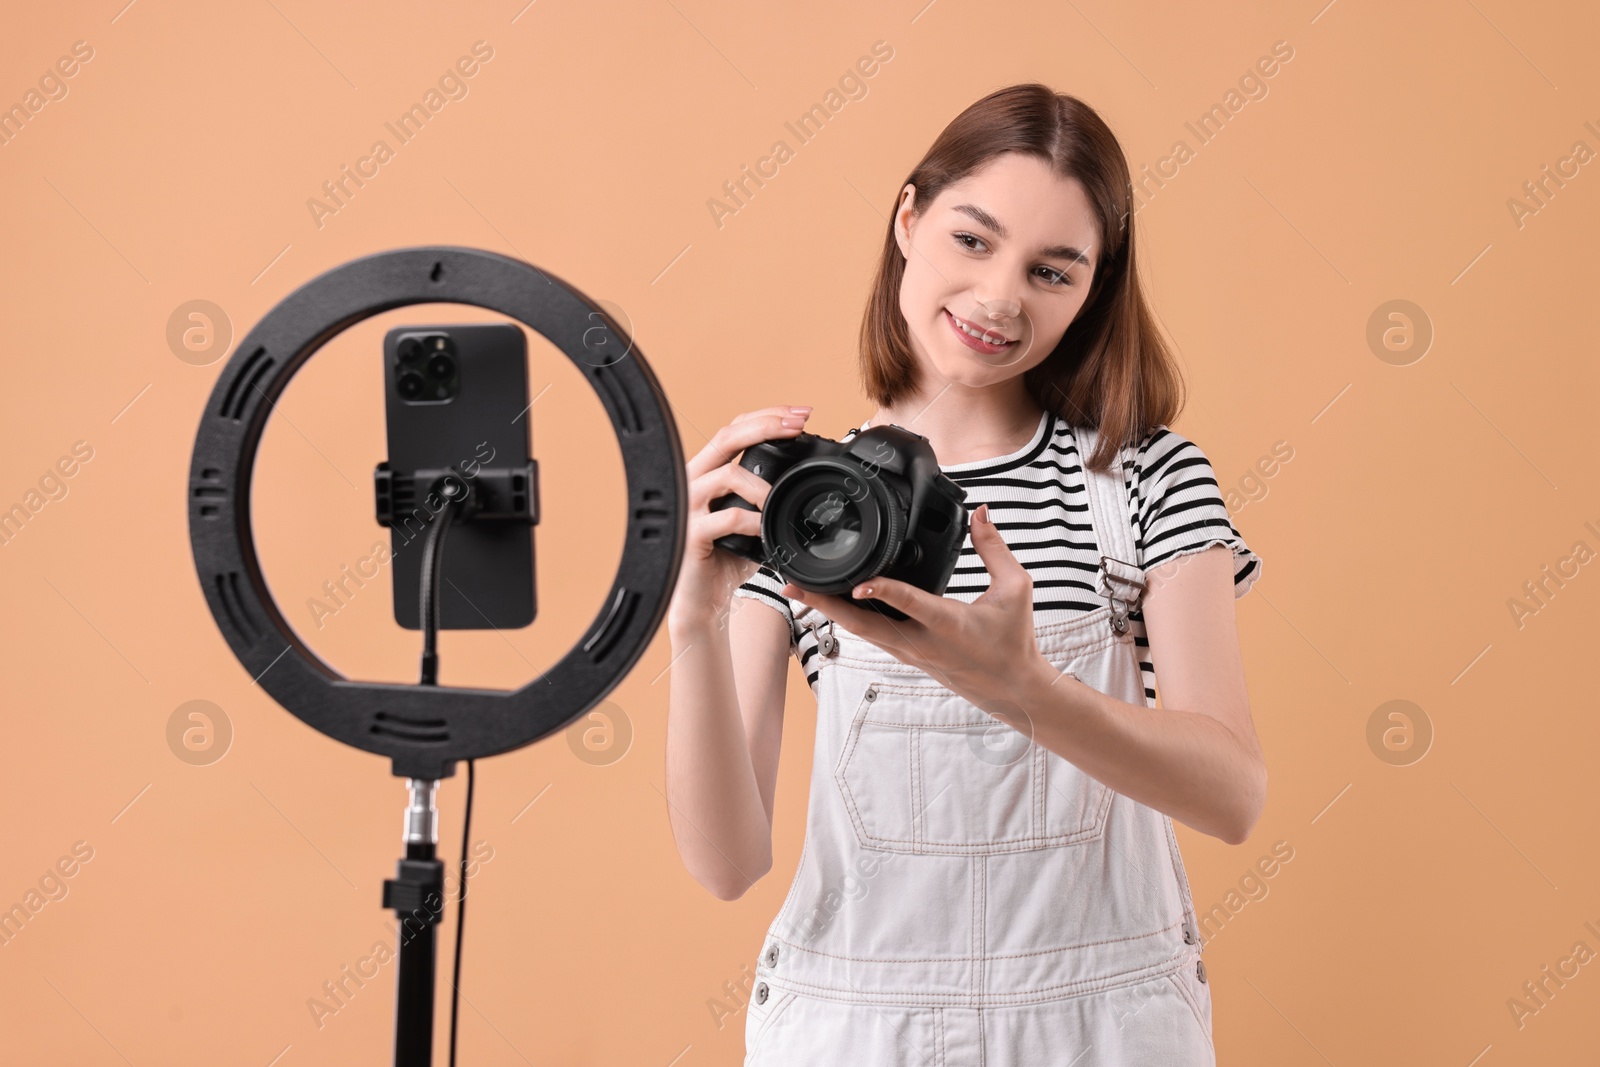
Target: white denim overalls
[[966, 897]]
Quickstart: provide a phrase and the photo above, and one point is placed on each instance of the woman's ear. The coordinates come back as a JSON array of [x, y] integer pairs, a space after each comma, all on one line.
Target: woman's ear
[[903, 217]]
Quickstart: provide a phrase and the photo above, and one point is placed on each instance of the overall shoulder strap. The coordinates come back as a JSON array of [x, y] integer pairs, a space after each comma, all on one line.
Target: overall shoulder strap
[[1111, 513]]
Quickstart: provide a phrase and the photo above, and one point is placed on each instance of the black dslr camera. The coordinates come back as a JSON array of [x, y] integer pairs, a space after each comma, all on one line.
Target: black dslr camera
[[841, 513]]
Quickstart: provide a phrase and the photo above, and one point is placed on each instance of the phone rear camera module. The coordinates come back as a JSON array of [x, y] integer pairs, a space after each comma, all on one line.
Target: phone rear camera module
[[427, 368]]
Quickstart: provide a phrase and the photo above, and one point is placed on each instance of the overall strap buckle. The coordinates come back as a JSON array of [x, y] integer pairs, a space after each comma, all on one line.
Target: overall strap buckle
[[1122, 584], [1110, 512], [827, 643], [822, 633]]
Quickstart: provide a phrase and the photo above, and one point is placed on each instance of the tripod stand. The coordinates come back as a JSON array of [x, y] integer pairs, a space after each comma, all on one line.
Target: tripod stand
[[416, 894]]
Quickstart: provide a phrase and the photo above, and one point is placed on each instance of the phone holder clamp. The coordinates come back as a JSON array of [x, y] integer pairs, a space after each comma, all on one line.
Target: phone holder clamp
[[507, 494]]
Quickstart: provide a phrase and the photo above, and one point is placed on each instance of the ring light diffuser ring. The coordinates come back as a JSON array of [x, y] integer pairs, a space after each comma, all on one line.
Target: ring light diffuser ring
[[426, 729]]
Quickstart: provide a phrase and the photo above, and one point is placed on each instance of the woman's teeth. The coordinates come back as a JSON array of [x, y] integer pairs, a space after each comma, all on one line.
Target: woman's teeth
[[986, 338]]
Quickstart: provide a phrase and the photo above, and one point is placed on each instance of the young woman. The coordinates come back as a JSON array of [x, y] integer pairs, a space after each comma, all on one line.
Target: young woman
[[989, 874]]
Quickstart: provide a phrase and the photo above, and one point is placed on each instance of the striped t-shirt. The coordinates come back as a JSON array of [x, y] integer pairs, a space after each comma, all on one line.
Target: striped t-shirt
[[1038, 499]]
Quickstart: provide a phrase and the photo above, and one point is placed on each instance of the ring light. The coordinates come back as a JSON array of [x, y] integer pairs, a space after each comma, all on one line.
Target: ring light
[[426, 729]]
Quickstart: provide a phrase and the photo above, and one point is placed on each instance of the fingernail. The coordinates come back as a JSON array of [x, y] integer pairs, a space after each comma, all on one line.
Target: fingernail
[[801, 410], [794, 422]]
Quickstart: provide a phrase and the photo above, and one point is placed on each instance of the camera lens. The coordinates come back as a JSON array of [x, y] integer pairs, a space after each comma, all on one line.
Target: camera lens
[[441, 366], [410, 385], [410, 348], [831, 525]]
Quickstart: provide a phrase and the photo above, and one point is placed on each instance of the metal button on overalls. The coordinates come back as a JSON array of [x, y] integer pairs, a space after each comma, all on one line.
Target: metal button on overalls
[[968, 897]]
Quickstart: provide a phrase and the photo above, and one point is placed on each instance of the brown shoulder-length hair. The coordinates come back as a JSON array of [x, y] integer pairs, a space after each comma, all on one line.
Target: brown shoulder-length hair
[[1111, 369]]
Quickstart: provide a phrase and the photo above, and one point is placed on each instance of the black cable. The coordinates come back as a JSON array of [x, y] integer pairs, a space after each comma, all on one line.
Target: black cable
[[461, 918], [432, 570], [432, 562]]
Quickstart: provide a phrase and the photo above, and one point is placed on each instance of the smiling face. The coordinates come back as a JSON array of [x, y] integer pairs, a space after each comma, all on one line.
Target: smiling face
[[1008, 252]]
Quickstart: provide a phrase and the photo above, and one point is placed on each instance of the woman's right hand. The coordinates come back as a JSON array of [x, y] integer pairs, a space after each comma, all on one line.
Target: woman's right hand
[[709, 574]]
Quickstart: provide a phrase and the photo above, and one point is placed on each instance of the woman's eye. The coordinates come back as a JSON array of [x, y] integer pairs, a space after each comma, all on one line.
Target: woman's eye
[[1055, 277]]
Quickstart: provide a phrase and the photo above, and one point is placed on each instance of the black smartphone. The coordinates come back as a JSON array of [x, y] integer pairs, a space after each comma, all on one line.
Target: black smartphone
[[457, 397]]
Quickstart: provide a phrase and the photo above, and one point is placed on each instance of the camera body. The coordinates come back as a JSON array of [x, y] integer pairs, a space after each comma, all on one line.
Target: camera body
[[840, 513]]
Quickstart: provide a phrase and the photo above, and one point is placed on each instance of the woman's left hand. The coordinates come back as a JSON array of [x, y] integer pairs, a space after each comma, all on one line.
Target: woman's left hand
[[978, 650]]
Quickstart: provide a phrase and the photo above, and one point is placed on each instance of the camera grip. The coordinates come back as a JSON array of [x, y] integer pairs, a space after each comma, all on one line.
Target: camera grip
[[745, 546], [766, 460]]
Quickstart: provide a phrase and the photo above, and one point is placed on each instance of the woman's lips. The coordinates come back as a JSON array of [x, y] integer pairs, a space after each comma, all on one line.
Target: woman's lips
[[974, 343]]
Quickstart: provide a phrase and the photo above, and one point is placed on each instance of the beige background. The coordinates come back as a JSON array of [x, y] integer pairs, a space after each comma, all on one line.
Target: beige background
[[1379, 166]]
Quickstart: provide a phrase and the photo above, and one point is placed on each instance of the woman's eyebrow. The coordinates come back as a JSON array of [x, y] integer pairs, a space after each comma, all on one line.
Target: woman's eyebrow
[[1054, 252]]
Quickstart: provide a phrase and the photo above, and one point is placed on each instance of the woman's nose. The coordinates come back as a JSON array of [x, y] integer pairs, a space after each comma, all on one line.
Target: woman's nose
[[1001, 308], [994, 311]]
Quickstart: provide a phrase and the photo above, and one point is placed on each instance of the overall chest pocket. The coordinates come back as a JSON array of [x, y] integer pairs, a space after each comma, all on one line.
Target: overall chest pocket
[[922, 770]]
